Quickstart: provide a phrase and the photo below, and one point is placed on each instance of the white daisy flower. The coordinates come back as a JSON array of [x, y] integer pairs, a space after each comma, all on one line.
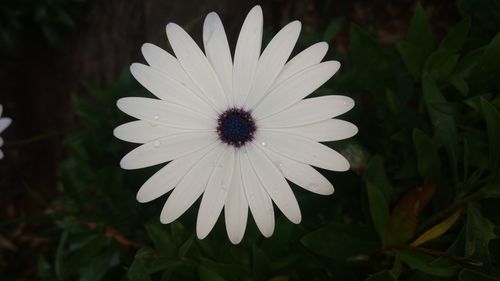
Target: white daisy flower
[[4, 123], [234, 129]]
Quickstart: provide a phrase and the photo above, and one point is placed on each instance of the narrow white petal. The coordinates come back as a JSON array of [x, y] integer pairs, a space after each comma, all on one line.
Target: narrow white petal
[[308, 111], [191, 186], [274, 183], [1, 141], [1, 154], [215, 194], [141, 131], [218, 52], [236, 205], [296, 88], [326, 130], [169, 176], [304, 150], [161, 60], [272, 60], [167, 148], [169, 89], [301, 174], [4, 123], [196, 65], [165, 113], [246, 55], [309, 57], [259, 201], [1, 110]]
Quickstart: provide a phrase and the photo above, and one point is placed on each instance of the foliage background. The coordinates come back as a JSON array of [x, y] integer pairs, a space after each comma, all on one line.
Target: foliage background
[[421, 202]]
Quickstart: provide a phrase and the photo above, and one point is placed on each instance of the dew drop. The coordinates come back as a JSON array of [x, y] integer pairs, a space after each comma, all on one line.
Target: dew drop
[[157, 144], [153, 124], [156, 117], [264, 143]]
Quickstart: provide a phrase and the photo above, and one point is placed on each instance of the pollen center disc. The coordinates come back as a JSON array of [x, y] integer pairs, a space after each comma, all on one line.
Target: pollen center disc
[[236, 127]]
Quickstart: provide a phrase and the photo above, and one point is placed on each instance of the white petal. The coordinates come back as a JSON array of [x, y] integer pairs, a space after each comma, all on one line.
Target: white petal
[[309, 57], [169, 176], [169, 89], [308, 111], [218, 52], [1, 154], [303, 150], [161, 60], [274, 183], [1, 141], [246, 55], [215, 194], [165, 113], [4, 123], [296, 88], [272, 60], [259, 201], [301, 174], [327, 130], [1, 110], [141, 131], [236, 206], [191, 186], [196, 65], [166, 149]]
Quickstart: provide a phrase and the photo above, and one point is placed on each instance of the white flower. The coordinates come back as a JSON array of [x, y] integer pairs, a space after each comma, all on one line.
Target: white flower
[[4, 123], [234, 129]]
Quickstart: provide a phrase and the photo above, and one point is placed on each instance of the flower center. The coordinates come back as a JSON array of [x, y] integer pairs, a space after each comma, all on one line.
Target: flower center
[[236, 127]]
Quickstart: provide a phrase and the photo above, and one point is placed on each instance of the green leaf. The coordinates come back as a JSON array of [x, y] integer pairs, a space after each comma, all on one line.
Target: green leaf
[[413, 57], [441, 63], [208, 275], [472, 275], [440, 114], [488, 65], [341, 241], [492, 118], [375, 173], [437, 230], [385, 275], [333, 29], [161, 239], [426, 264], [137, 272], [420, 32], [428, 161], [379, 210], [455, 38], [479, 231]]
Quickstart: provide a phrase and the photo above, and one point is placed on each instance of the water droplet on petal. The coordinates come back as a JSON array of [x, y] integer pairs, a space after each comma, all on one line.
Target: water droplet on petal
[[156, 117], [263, 143], [152, 124], [156, 143]]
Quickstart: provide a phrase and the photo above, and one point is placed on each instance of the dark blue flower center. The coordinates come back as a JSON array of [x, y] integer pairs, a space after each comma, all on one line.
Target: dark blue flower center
[[236, 127]]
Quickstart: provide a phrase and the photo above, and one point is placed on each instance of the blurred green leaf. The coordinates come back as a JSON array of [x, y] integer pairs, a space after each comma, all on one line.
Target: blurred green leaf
[[487, 66], [161, 239], [376, 174], [455, 38], [440, 113], [208, 275], [137, 272], [472, 275], [492, 118], [333, 29], [379, 210], [441, 63], [385, 275], [437, 230], [479, 232], [429, 164], [341, 241], [425, 264]]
